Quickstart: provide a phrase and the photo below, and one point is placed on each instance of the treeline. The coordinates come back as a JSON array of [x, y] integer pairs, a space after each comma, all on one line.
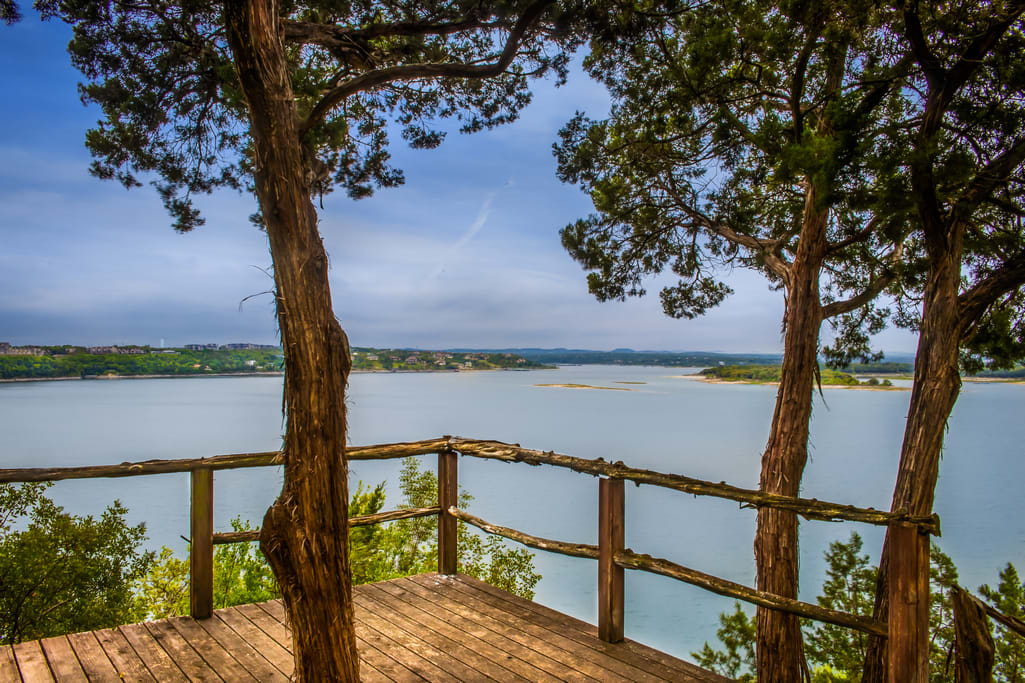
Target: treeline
[[152, 362], [412, 360], [771, 373]]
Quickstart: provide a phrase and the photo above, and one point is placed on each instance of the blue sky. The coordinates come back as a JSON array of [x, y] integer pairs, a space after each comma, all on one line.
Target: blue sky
[[467, 253]]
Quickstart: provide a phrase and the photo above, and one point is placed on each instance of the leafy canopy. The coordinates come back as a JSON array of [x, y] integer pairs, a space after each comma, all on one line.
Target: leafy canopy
[[162, 73], [725, 116]]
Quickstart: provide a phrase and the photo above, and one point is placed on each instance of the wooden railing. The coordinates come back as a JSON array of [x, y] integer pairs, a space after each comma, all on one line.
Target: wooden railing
[[906, 628]]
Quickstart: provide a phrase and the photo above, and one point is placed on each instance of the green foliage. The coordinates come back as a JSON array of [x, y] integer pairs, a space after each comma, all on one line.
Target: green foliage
[[60, 573], [241, 576], [737, 658], [849, 587], [153, 362], [836, 654], [771, 373]]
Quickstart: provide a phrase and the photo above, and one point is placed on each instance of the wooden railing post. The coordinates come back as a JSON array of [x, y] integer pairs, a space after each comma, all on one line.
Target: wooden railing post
[[610, 576], [448, 496], [201, 552], [908, 621]]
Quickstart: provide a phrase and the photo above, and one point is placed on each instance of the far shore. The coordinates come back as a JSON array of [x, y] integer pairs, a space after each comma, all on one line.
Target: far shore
[[245, 374]]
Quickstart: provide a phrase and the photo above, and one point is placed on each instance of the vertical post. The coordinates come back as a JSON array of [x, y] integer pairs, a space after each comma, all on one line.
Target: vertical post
[[201, 553], [610, 576], [908, 621], [448, 496]]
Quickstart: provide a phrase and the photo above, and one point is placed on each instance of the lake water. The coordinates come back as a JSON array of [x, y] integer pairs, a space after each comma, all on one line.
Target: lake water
[[669, 423]]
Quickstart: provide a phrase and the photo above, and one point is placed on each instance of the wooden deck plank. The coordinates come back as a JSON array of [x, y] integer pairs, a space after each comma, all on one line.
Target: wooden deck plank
[[211, 651], [593, 661], [127, 663], [411, 630], [94, 660], [245, 654], [367, 672], [475, 653], [379, 652], [638, 654], [472, 634], [258, 639], [8, 667], [412, 652], [187, 659], [157, 660], [32, 662], [554, 661], [275, 628], [62, 660]]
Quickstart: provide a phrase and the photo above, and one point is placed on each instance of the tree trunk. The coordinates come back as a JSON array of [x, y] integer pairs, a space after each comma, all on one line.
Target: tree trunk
[[936, 387], [305, 533], [780, 651]]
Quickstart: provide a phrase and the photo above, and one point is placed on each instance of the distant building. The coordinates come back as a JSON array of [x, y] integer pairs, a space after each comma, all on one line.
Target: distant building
[[201, 347]]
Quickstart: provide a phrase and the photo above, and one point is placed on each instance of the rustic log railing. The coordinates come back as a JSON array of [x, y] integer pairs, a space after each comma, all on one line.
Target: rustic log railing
[[906, 628]]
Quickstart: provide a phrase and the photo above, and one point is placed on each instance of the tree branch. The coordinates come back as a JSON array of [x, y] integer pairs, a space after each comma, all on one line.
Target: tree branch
[[332, 35], [859, 236], [989, 178], [973, 303], [379, 77], [934, 73], [874, 289]]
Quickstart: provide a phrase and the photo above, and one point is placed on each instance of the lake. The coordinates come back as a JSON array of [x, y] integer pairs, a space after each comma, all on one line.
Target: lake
[[669, 423]]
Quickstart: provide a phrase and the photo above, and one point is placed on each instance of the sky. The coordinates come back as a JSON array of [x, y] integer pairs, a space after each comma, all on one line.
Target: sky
[[465, 254]]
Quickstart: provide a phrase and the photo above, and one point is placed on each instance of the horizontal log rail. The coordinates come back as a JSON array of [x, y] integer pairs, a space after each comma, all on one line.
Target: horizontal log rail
[[560, 547], [810, 508], [631, 560], [216, 462], [362, 520]]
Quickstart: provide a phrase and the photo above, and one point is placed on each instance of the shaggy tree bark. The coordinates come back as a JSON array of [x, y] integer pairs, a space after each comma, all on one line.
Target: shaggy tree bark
[[305, 533], [780, 653]]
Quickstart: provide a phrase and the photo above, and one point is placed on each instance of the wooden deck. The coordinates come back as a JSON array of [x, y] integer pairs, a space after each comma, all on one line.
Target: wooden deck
[[427, 627]]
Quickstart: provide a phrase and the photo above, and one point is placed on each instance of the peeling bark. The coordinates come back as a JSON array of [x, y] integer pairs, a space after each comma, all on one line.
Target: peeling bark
[[780, 651], [305, 532]]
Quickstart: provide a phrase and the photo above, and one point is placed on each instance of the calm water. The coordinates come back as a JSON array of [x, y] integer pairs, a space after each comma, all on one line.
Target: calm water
[[669, 423]]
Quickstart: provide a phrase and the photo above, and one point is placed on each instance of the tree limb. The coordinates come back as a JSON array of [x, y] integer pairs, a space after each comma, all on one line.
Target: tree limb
[[973, 303], [875, 287], [332, 35], [989, 178], [406, 72]]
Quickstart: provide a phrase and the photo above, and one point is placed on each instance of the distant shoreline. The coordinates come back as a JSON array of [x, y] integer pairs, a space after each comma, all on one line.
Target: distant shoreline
[[13, 380]]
